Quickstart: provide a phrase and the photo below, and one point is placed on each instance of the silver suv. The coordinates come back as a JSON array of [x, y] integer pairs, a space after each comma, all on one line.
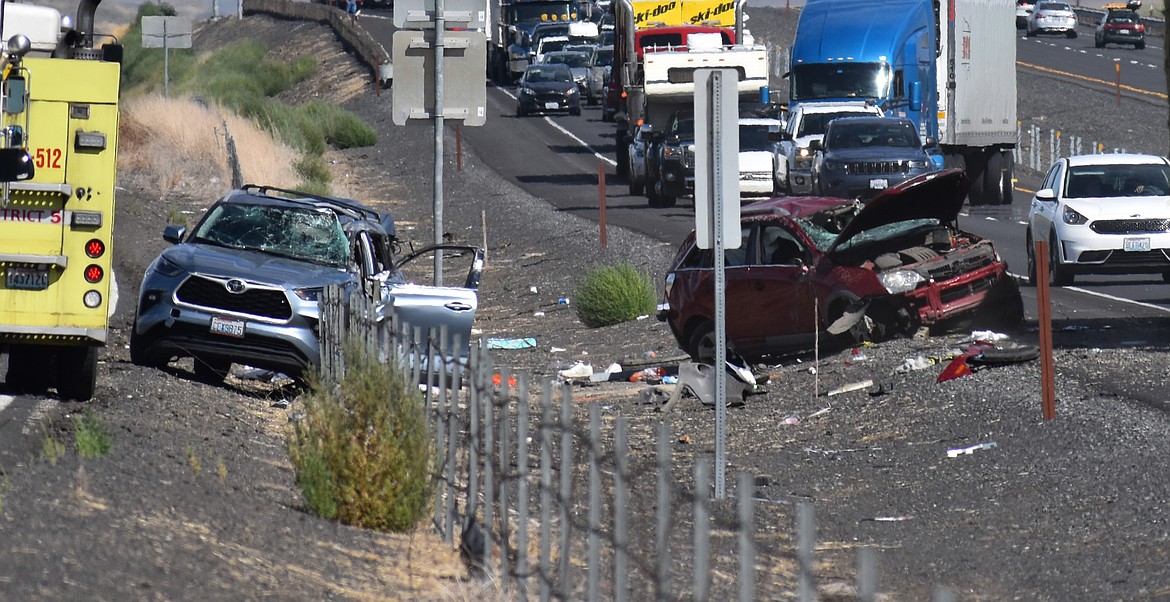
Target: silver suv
[[242, 286]]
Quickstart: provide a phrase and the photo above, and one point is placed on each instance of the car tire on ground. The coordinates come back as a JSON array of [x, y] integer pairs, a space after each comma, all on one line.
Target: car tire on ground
[[211, 370], [76, 373], [575, 111], [1140, 45], [1030, 247], [27, 373], [1099, 43], [1060, 275], [1030, 33], [701, 343], [1071, 34], [520, 112], [636, 187]]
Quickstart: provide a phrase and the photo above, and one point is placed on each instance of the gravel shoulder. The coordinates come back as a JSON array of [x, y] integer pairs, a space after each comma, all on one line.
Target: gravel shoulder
[[196, 499]]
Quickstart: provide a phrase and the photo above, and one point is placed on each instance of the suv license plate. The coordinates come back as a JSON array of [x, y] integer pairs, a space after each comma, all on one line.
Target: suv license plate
[[552, 105], [1137, 244], [29, 279], [227, 326], [879, 183]]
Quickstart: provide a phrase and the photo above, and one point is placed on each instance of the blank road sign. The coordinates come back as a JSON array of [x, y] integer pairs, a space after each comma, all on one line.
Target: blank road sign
[[166, 32], [457, 14], [464, 76]]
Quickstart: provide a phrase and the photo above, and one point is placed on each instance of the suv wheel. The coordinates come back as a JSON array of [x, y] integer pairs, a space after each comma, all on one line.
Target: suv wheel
[[1061, 276]]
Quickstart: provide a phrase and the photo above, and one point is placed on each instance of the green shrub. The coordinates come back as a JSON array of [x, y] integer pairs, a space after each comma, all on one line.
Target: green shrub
[[341, 128], [313, 170], [92, 437], [361, 452], [614, 294]]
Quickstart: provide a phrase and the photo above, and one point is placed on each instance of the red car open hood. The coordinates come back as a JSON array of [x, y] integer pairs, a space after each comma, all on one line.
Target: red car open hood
[[937, 195]]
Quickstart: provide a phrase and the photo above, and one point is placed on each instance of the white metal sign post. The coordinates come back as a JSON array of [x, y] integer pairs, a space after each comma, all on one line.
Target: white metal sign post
[[717, 217], [428, 70]]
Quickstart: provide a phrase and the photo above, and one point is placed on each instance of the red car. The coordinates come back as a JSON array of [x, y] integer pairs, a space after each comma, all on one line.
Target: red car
[[889, 266]]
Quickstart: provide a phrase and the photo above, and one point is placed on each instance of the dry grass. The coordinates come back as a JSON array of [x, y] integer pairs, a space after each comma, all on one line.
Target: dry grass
[[177, 148]]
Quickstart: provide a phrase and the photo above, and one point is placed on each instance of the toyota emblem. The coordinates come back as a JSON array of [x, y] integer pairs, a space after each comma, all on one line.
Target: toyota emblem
[[235, 286]]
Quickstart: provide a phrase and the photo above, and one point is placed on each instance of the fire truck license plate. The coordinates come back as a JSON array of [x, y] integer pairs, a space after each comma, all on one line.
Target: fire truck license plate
[[227, 326], [1137, 244], [879, 183], [29, 279]]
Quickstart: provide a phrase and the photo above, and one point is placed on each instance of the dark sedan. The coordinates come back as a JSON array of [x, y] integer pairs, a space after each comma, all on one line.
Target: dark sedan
[[548, 89], [847, 270]]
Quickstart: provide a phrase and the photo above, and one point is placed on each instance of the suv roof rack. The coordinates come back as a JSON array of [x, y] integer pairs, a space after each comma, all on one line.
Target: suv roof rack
[[341, 204]]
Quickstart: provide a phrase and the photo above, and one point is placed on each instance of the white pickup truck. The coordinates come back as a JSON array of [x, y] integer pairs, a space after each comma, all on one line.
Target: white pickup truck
[[807, 122]]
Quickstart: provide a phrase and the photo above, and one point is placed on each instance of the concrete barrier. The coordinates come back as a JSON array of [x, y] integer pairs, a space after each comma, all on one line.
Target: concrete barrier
[[354, 38]]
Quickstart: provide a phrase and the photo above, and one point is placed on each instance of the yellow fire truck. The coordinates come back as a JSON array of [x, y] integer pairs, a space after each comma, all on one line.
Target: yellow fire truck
[[59, 120]]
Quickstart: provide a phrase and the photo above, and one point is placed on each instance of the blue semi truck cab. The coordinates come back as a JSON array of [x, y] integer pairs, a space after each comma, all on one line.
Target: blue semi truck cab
[[947, 66]]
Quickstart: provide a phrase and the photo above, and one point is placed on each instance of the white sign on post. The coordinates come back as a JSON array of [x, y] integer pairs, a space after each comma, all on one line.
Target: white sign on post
[[717, 157]]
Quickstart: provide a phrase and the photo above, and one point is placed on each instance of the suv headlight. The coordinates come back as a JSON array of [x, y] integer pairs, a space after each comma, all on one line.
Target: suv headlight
[[920, 164], [527, 91], [308, 294], [167, 268], [900, 281], [1071, 217]]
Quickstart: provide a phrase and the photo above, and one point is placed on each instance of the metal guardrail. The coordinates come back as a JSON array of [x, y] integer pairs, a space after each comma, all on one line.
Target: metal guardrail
[[354, 37]]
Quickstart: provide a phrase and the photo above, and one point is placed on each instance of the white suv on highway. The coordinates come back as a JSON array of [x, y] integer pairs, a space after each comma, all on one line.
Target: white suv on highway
[[1102, 214], [807, 122]]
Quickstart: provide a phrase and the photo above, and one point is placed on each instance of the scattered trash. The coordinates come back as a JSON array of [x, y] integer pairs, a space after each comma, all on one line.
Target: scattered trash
[[555, 349], [812, 369], [1014, 354], [670, 379], [648, 375], [280, 403], [522, 343], [563, 301], [532, 289], [888, 519], [699, 380], [612, 369], [911, 364], [791, 419], [496, 380], [988, 336], [642, 317], [578, 370], [865, 384], [883, 389], [657, 394], [819, 412], [538, 314], [649, 355], [960, 451], [685, 439], [958, 366], [856, 356]]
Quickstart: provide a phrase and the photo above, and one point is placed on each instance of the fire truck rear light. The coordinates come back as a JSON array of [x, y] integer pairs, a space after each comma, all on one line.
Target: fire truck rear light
[[94, 273], [95, 248], [90, 140], [86, 218], [92, 299]]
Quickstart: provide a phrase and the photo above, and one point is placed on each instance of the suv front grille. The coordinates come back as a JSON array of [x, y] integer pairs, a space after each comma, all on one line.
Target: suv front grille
[[211, 294], [1129, 226], [876, 167]]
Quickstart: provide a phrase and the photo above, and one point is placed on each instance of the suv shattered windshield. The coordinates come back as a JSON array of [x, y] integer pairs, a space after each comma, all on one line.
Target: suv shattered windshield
[[298, 233]]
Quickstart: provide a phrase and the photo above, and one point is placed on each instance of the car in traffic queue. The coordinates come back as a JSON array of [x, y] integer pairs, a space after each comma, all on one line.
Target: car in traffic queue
[[1120, 26], [759, 153], [1056, 18], [640, 147], [548, 89], [822, 268], [1102, 214], [599, 70], [807, 122], [1024, 8], [671, 162], [861, 156], [578, 64], [243, 285]]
